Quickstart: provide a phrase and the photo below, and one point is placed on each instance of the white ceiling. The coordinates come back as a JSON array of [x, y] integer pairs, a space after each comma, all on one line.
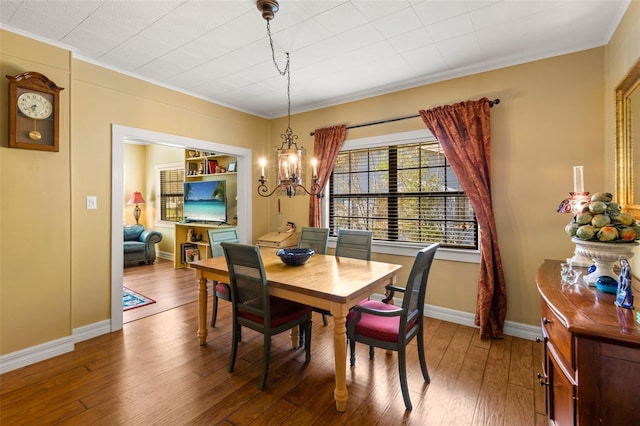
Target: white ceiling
[[340, 50]]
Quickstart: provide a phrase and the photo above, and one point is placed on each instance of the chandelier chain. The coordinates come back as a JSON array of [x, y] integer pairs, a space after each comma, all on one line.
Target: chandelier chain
[[290, 159], [284, 72]]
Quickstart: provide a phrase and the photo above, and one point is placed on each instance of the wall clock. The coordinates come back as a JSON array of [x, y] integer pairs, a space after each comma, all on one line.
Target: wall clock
[[34, 112]]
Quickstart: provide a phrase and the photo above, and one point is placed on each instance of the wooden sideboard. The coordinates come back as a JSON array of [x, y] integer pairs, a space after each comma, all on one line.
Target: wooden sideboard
[[592, 353]]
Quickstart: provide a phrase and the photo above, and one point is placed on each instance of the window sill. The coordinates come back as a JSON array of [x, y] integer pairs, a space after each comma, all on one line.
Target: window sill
[[411, 249]]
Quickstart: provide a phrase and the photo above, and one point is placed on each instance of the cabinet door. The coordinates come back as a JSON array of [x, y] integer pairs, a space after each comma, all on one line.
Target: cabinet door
[[561, 395]]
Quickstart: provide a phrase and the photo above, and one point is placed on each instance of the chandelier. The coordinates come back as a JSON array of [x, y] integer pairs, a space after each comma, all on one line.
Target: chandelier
[[290, 158]]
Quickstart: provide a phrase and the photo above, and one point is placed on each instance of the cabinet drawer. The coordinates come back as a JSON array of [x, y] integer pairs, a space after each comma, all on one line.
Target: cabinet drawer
[[562, 409], [558, 335]]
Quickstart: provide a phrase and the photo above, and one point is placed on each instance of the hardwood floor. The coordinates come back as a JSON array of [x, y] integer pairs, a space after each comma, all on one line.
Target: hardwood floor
[[169, 287], [154, 372]]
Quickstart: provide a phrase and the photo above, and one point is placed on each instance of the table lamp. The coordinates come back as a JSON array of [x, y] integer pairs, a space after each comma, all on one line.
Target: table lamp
[[136, 198]]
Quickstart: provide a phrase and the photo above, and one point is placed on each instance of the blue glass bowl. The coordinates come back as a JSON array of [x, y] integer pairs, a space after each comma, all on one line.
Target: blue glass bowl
[[607, 284], [295, 256]]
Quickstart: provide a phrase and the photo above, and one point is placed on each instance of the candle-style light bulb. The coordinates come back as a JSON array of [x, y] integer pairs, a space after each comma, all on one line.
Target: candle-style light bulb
[[263, 162], [314, 166]]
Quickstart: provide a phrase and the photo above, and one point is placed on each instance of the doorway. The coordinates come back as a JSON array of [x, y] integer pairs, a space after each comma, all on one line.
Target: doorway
[[121, 135]]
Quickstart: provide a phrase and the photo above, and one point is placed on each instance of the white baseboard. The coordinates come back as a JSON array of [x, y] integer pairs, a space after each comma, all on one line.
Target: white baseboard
[[43, 351], [90, 331], [28, 356], [165, 255], [515, 329]]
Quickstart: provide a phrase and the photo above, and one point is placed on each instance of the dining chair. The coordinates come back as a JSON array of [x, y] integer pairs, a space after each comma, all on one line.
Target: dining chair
[[390, 327], [318, 240], [220, 290], [253, 307], [314, 238], [354, 243]]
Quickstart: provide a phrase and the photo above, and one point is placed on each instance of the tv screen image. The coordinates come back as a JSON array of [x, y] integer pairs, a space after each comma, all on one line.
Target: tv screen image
[[205, 201]]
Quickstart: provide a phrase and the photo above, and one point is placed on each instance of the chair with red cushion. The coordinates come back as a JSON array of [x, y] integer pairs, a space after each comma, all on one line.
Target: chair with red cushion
[[255, 309], [220, 290], [389, 327]]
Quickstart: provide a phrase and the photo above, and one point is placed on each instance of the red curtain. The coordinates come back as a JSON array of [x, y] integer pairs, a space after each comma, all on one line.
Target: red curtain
[[326, 147], [464, 132]]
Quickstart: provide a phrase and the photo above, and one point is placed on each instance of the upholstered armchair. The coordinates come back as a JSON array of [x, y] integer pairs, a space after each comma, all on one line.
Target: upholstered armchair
[[140, 244]]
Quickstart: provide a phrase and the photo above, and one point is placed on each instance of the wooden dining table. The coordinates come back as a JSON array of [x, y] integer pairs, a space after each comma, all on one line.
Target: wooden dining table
[[335, 284]]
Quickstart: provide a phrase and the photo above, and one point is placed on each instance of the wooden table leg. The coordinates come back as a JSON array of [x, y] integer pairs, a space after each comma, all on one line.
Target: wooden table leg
[[202, 308], [294, 337], [340, 393]]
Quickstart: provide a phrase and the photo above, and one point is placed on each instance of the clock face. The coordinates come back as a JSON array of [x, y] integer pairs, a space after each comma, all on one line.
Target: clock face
[[35, 106]]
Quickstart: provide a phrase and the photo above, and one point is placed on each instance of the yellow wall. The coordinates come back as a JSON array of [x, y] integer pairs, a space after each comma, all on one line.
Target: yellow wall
[[35, 212], [135, 180], [55, 254], [554, 114], [622, 52], [549, 119]]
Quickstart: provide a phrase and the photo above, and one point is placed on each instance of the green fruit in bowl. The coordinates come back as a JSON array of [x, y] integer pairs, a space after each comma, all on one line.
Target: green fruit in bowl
[[614, 209], [598, 207], [586, 232], [607, 233], [627, 233], [605, 197], [600, 220], [571, 229], [636, 228], [624, 219], [583, 218]]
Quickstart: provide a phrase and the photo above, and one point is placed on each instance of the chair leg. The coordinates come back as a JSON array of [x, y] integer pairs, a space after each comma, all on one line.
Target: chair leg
[[324, 320], [423, 362], [371, 352], [307, 340], [265, 361], [352, 352], [214, 315], [402, 370], [301, 334], [234, 346]]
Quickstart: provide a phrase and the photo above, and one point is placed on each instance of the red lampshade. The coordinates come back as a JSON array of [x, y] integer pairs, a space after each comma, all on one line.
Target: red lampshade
[[136, 198]]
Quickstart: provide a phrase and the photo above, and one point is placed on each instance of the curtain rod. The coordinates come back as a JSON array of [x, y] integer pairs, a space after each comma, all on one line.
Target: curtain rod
[[406, 117]]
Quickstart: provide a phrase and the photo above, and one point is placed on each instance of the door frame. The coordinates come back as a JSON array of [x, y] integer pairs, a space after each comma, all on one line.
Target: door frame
[[120, 135]]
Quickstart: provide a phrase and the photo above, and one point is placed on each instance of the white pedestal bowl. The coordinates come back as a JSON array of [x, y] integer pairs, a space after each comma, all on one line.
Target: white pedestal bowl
[[604, 255]]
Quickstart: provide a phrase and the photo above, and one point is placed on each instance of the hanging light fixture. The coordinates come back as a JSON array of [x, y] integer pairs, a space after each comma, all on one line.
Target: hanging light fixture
[[290, 158]]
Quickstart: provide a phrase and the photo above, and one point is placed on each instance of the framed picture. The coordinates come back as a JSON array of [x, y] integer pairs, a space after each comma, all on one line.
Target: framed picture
[[232, 167]]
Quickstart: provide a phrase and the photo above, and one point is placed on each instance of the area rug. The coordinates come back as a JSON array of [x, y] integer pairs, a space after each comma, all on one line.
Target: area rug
[[132, 300]]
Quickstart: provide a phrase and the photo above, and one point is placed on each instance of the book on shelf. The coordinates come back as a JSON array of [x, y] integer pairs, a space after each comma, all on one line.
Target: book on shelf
[[212, 165], [192, 254], [187, 247]]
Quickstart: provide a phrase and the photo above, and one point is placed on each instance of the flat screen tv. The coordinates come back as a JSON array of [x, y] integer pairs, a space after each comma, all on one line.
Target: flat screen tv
[[205, 201]]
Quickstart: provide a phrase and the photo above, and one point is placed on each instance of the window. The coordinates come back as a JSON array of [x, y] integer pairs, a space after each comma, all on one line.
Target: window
[[171, 192], [403, 192]]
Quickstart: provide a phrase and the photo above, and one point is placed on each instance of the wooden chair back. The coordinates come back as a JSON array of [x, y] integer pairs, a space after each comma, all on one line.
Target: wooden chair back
[[314, 238], [354, 243], [216, 236]]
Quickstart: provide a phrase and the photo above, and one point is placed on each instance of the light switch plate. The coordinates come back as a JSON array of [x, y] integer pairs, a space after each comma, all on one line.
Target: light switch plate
[[92, 202]]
